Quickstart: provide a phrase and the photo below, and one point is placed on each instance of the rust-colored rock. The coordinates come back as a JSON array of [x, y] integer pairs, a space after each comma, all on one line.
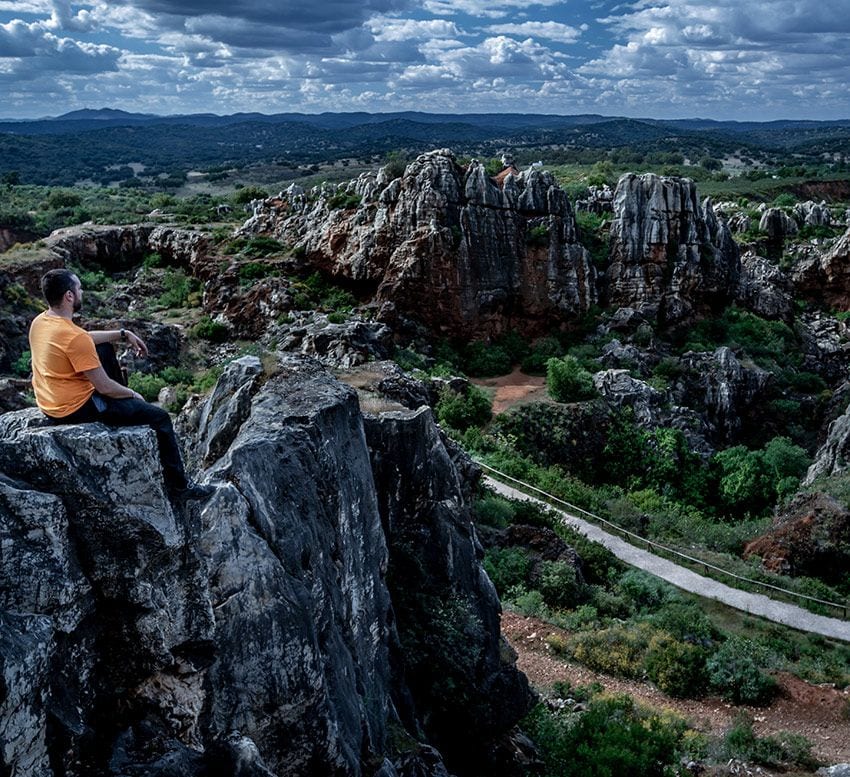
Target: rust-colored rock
[[811, 536], [825, 278], [447, 244]]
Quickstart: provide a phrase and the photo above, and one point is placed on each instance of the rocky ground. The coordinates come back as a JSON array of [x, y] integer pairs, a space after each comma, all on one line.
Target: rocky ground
[[819, 712]]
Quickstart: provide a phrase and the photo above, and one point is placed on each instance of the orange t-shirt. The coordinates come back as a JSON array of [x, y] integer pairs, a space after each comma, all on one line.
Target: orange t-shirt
[[61, 352]]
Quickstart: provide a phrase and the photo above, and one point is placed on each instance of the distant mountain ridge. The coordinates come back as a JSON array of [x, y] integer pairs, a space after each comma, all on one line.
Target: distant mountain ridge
[[98, 118], [106, 139]]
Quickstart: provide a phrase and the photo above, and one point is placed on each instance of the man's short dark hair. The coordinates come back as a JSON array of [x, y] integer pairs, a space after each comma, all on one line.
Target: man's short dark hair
[[54, 284]]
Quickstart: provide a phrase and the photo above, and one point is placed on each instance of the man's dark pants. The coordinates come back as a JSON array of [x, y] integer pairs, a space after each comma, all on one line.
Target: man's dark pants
[[132, 412]]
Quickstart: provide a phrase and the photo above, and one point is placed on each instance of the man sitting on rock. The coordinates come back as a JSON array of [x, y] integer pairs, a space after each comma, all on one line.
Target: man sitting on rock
[[76, 378]]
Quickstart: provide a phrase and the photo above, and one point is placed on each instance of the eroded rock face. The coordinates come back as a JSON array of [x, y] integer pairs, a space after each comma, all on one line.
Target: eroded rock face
[[833, 457], [255, 629], [723, 389], [440, 591], [811, 536], [447, 244], [113, 248], [764, 289], [825, 343], [824, 278], [670, 258]]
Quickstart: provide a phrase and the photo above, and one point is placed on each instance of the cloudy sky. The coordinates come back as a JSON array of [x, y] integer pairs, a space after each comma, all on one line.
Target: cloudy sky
[[722, 59]]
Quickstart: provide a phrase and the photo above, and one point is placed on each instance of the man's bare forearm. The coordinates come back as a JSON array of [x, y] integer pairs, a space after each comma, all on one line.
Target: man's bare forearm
[[105, 336]]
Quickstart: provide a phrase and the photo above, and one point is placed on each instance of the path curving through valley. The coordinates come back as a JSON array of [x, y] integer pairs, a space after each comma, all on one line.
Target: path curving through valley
[[687, 580]]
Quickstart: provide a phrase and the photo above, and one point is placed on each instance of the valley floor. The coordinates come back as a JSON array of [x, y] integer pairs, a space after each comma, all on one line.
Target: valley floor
[[818, 712]]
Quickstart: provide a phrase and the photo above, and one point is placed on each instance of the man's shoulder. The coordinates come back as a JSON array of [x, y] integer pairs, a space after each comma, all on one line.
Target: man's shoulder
[[59, 331]]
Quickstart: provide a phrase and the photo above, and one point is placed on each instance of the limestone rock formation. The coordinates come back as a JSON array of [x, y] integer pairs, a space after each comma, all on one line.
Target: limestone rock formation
[[825, 344], [810, 536], [814, 214], [447, 244], [726, 390], [824, 278], [115, 247], [833, 457], [670, 258], [342, 345], [764, 289], [265, 631], [777, 224]]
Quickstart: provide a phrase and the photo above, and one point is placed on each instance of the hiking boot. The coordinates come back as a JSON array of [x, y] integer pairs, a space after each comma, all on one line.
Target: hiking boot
[[192, 491]]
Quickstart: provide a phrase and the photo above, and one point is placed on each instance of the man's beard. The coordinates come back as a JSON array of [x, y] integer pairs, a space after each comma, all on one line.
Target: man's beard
[[78, 305]]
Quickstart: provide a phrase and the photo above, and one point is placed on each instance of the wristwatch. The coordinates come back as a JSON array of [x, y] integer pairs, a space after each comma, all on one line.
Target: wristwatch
[[123, 334]]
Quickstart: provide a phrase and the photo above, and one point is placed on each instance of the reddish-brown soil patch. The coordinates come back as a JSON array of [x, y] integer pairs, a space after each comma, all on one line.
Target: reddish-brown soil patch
[[514, 389], [817, 712]]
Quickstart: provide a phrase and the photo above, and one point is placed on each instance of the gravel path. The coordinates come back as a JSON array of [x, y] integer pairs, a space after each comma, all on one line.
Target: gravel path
[[755, 604]]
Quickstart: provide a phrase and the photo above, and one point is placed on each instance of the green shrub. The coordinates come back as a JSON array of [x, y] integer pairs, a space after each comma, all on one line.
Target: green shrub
[[344, 201], [247, 193], [644, 591], [175, 376], [148, 386], [152, 259], [207, 380], [568, 381], [507, 567], [483, 360], [176, 289], [677, 668], [559, 585], [22, 366], [408, 359], [544, 349], [752, 480], [538, 236], [493, 511], [736, 671], [781, 750], [527, 602], [251, 271], [261, 245], [612, 737], [94, 280], [207, 329], [461, 411], [616, 650], [686, 622], [337, 317], [785, 200]]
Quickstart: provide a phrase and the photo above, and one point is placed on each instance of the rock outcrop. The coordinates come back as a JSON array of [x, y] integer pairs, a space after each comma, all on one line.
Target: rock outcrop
[[833, 457], [268, 631], [811, 536], [447, 244], [764, 289], [670, 258], [825, 345], [723, 390], [824, 278], [112, 248]]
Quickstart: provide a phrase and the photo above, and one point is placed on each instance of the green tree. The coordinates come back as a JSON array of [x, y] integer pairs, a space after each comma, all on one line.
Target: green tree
[[568, 381], [247, 193]]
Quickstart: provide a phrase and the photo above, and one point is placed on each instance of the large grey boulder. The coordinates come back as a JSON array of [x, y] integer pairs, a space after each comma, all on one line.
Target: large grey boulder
[[257, 631]]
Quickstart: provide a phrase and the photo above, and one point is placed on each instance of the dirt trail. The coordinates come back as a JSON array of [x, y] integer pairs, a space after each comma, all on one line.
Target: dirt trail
[[815, 711], [514, 389]]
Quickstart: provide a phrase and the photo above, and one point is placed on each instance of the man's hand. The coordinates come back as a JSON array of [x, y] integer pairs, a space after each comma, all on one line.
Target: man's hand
[[137, 344]]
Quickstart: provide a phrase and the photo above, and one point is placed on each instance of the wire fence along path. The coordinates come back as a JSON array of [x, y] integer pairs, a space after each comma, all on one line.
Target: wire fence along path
[[754, 604]]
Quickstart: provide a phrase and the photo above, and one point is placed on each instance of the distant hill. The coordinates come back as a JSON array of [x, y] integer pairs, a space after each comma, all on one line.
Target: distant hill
[[104, 139]]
